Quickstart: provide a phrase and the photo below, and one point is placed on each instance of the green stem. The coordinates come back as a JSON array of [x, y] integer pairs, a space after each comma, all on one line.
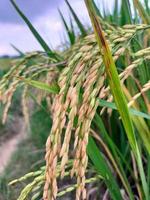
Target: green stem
[[115, 87]]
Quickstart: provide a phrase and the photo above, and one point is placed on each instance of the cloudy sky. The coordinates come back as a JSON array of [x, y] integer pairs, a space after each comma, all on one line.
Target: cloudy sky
[[44, 16]]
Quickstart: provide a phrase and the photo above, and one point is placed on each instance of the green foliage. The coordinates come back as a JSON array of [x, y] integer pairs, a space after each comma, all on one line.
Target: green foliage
[[115, 87], [40, 125], [111, 105], [54, 88], [118, 150], [77, 20], [17, 50], [26, 158], [35, 33], [70, 31], [103, 169], [142, 12], [126, 16]]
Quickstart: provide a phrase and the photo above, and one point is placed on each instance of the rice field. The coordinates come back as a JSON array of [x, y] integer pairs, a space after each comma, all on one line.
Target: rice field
[[86, 109]]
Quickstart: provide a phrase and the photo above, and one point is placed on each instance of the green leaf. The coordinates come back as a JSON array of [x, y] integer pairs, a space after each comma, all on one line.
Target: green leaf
[[115, 87], [116, 12], [116, 154], [103, 168], [53, 88], [147, 6], [108, 139], [97, 10], [126, 15], [17, 50], [132, 111], [112, 75], [70, 33], [77, 20], [142, 12], [35, 33]]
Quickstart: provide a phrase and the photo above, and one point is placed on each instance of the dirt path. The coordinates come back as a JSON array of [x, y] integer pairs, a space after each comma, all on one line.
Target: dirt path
[[10, 145]]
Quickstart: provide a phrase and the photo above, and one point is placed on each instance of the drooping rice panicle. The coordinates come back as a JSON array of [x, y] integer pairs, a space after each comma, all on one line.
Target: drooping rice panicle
[[81, 82]]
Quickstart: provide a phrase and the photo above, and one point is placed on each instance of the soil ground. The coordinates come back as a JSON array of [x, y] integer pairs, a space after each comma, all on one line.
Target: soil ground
[[9, 145]]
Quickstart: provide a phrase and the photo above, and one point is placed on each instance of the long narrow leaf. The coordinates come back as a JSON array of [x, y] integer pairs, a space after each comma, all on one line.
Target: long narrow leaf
[[114, 154], [17, 50], [143, 14], [71, 35], [35, 33], [115, 87], [126, 16], [132, 111], [112, 76], [102, 167], [97, 10], [77, 20], [147, 6], [53, 88]]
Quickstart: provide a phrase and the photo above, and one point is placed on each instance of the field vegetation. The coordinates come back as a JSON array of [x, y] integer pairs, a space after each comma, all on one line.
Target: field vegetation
[[89, 103]]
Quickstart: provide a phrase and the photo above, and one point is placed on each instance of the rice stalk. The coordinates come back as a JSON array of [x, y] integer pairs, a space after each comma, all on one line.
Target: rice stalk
[[118, 95], [81, 82]]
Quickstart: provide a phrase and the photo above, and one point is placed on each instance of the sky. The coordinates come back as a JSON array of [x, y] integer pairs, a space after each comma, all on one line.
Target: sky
[[44, 16]]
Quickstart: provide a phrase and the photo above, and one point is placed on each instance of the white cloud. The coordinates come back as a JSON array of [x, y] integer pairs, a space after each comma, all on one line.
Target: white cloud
[[18, 35], [4, 49], [50, 28], [49, 25]]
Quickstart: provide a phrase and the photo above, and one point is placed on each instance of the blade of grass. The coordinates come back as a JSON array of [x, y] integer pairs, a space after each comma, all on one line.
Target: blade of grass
[[72, 27], [126, 16], [143, 14], [115, 164], [106, 137], [104, 11], [17, 50], [132, 111], [104, 170], [77, 20], [116, 8], [116, 12], [115, 87], [112, 76], [147, 6], [71, 35], [139, 123], [148, 172], [53, 88], [35, 33], [97, 10]]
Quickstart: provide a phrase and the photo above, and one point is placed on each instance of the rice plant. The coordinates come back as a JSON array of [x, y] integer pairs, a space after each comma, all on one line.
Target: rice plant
[[98, 94]]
